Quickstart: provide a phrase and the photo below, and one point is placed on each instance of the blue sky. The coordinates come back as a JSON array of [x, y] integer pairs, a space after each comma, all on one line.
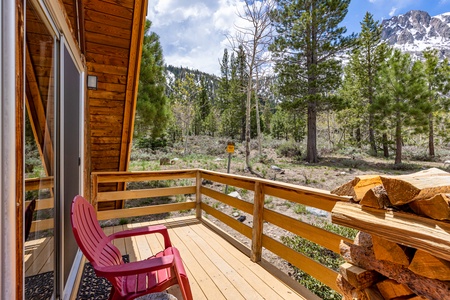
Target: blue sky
[[193, 32]]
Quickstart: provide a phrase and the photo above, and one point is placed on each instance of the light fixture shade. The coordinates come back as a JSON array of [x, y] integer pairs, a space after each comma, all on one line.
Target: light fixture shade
[[92, 82]]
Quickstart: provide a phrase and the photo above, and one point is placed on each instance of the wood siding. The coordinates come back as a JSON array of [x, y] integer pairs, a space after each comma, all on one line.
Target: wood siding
[[110, 34]]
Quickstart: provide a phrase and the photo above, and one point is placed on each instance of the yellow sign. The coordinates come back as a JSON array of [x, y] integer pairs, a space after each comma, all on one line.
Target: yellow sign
[[230, 148]]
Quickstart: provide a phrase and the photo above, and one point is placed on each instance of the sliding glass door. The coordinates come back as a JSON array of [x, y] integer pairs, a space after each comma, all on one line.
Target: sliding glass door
[[40, 154], [53, 140]]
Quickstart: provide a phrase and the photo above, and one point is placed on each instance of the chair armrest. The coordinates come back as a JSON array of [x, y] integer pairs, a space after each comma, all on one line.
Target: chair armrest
[[144, 230], [137, 267]]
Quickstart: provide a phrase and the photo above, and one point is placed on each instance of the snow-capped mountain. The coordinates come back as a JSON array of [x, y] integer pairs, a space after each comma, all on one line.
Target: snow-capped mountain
[[416, 31]]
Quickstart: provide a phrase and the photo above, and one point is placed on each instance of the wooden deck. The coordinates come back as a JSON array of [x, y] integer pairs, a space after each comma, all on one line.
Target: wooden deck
[[216, 269], [39, 256]]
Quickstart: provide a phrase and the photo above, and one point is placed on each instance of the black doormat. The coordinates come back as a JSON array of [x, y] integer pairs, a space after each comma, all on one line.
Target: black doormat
[[93, 287], [39, 287]]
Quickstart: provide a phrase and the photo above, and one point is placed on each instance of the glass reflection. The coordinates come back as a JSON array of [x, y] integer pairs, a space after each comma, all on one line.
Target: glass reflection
[[39, 157]]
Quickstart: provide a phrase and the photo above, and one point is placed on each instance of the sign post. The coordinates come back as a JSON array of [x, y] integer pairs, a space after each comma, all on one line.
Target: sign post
[[230, 150]]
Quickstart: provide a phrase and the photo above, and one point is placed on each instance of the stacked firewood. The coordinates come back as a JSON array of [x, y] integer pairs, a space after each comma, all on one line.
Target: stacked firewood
[[427, 193], [379, 269], [404, 256]]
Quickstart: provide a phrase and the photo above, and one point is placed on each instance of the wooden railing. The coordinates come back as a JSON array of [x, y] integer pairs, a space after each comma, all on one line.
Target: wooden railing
[[261, 188], [36, 184]]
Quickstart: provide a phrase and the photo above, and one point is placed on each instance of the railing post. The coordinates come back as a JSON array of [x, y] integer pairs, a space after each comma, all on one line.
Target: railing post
[[257, 231], [198, 195]]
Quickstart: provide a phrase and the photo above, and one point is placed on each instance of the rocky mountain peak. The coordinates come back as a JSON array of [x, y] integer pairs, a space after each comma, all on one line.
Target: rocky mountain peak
[[416, 31]]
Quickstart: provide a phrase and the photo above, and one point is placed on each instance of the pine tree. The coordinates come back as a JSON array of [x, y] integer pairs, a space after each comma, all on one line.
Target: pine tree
[[403, 100], [184, 99], [352, 116], [438, 81], [365, 63], [308, 40], [223, 93], [152, 104]]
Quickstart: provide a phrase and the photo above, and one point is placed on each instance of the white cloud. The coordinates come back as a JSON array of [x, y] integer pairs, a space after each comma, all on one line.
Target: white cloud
[[193, 33], [392, 11]]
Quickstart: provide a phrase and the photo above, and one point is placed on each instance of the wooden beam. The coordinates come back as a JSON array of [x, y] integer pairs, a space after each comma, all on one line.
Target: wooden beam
[[135, 54], [20, 142], [143, 210], [402, 228], [236, 225], [310, 266], [230, 180], [312, 233], [145, 193], [113, 177], [38, 119], [228, 200]]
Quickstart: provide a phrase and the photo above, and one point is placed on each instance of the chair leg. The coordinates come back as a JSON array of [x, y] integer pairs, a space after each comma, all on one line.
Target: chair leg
[[111, 295]]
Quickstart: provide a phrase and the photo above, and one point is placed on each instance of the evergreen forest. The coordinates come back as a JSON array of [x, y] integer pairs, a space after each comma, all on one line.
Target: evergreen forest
[[321, 89]]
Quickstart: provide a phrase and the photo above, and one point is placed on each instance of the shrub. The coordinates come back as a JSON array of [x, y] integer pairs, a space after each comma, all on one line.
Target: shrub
[[289, 149]]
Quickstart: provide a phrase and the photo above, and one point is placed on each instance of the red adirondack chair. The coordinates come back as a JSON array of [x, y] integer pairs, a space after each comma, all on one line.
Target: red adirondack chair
[[129, 280]]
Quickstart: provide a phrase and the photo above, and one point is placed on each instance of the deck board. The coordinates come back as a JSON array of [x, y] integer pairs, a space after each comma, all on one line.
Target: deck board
[[38, 256]]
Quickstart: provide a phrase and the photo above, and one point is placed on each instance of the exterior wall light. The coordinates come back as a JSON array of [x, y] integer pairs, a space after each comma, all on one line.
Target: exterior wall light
[[92, 82]]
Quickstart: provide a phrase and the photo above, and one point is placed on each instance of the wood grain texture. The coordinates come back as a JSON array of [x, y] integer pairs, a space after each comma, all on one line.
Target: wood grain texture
[[436, 207], [357, 187], [362, 255], [429, 266], [420, 185], [402, 228]]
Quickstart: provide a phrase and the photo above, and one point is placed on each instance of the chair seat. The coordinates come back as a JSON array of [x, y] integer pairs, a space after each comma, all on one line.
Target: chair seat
[[156, 281]]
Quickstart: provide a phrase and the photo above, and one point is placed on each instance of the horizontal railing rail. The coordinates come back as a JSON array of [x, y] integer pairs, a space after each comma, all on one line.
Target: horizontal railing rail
[[38, 184], [261, 188]]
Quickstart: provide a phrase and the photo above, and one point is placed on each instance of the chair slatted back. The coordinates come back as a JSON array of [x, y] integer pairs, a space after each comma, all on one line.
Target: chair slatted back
[[91, 239]]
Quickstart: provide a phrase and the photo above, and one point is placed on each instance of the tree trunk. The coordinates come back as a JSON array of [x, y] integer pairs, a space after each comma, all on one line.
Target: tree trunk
[[385, 145], [431, 135], [330, 141], [311, 144], [247, 123], [373, 145], [358, 137], [398, 140], [258, 123]]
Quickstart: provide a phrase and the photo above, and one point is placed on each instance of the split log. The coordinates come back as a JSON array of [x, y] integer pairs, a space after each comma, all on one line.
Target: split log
[[406, 229], [417, 298], [437, 207], [421, 185], [358, 187], [390, 251], [423, 286], [391, 289], [358, 277], [427, 265], [376, 197], [349, 292], [372, 293]]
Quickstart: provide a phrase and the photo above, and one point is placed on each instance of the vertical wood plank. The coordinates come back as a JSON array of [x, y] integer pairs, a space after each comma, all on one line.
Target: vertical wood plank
[[20, 178], [198, 196], [94, 191], [257, 231]]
